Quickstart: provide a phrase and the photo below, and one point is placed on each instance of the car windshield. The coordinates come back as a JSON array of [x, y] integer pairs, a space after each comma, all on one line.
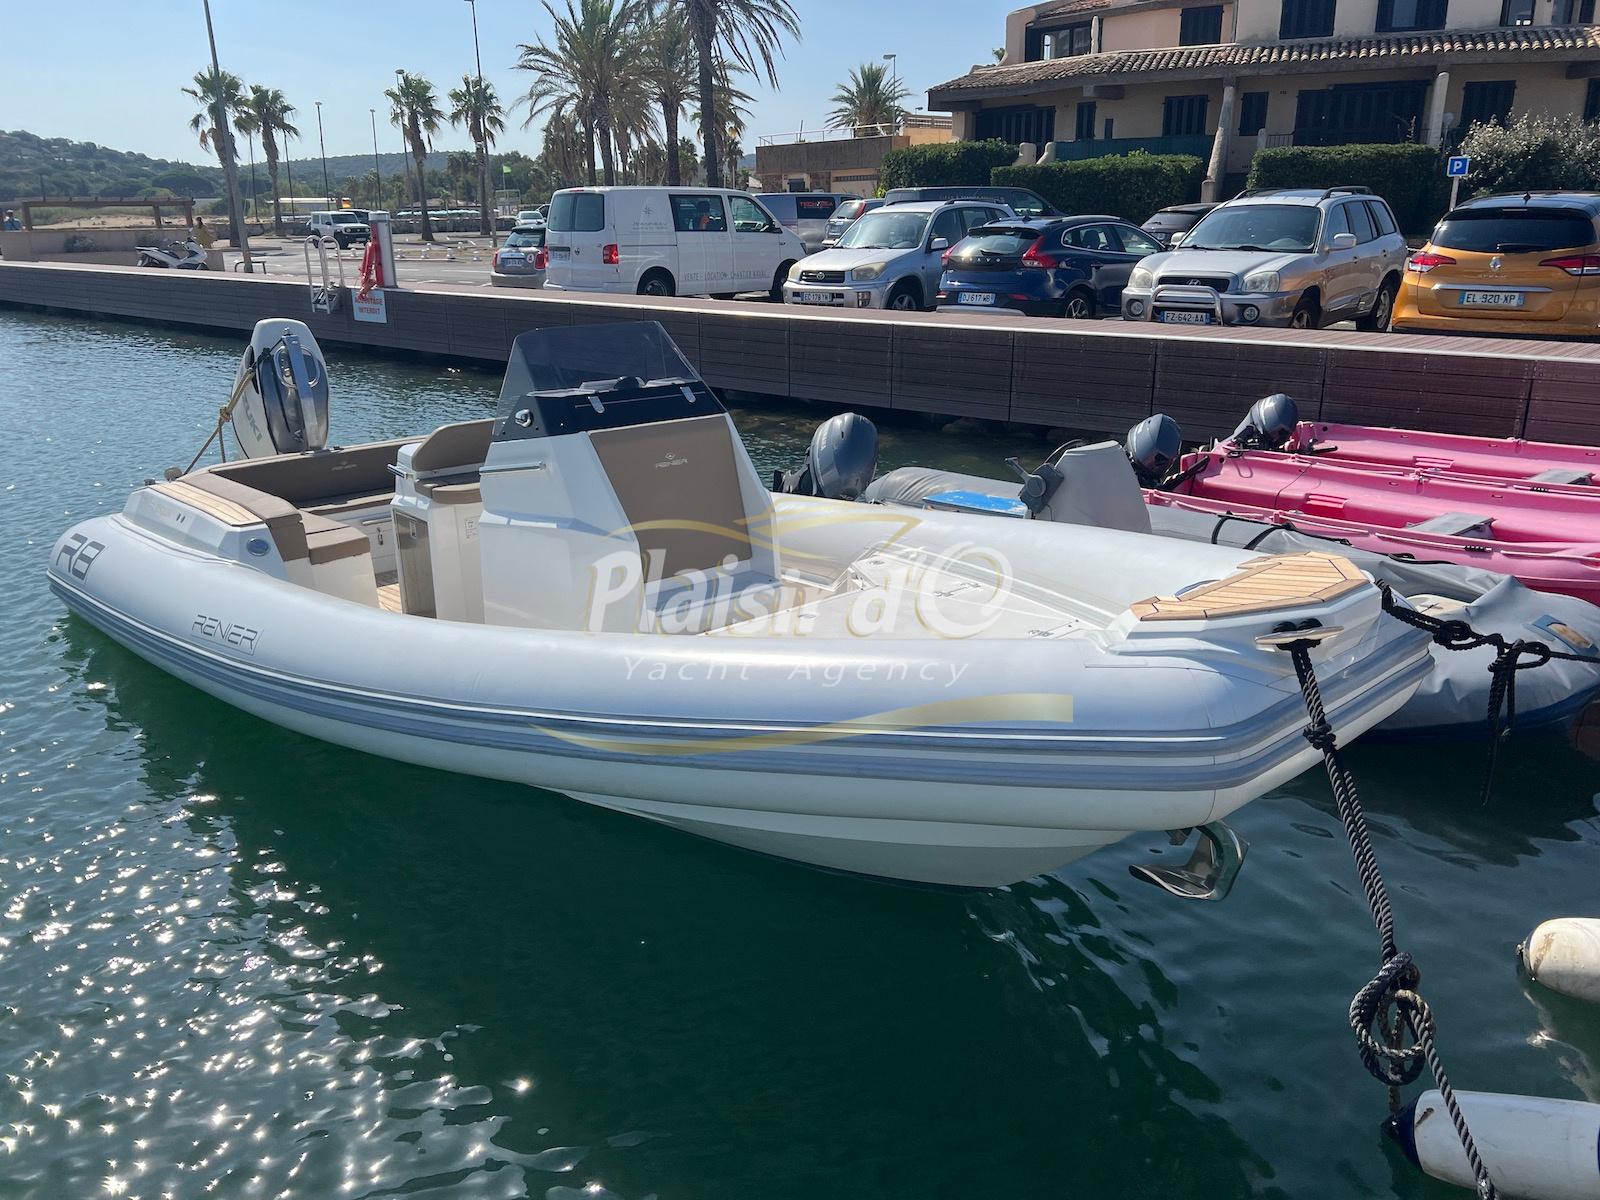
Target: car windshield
[[1514, 230], [345, 218], [886, 230], [1256, 227], [850, 208]]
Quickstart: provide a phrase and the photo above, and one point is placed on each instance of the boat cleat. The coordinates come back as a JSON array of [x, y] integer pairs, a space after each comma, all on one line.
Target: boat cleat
[[1212, 867]]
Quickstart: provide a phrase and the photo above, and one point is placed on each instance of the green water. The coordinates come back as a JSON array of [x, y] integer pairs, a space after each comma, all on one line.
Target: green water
[[238, 962]]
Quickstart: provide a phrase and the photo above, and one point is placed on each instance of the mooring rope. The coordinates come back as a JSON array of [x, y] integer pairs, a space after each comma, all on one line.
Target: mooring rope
[[1510, 657], [1394, 987]]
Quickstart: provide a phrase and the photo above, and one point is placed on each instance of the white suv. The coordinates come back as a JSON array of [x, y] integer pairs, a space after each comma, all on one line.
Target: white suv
[[343, 227]]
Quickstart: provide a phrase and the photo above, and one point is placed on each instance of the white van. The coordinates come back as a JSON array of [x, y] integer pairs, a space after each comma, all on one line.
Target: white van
[[657, 241]]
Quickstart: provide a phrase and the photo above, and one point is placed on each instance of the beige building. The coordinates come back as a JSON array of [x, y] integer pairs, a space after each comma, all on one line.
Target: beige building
[[836, 161], [1220, 80]]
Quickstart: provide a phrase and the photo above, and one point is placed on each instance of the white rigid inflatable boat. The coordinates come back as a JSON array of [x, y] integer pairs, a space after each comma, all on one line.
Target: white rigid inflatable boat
[[594, 593]]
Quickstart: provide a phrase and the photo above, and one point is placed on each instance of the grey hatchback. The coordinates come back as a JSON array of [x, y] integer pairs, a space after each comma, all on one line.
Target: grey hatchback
[[520, 261]]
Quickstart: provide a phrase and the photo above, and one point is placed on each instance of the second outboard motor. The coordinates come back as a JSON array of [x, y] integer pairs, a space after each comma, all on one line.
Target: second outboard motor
[[1153, 447], [840, 462], [281, 404], [1269, 424]]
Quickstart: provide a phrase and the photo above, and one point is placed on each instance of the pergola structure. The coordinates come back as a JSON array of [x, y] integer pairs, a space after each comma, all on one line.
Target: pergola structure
[[26, 207]]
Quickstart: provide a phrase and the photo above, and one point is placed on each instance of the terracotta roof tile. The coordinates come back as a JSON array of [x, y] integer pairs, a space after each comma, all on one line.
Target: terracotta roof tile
[[1567, 41]]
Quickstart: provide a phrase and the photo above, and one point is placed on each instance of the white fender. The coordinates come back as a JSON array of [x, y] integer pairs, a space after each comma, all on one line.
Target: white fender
[[1535, 1149], [1564, 955]]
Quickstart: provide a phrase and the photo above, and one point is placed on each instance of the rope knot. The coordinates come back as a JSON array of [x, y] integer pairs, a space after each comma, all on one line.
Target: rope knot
[[1321, 736], [1381, 1012]]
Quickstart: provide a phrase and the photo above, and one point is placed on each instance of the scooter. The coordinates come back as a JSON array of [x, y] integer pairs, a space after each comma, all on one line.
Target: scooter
[[187, 255]]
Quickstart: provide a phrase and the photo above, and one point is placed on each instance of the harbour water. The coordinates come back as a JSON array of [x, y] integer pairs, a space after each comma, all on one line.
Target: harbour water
[[239, 962]]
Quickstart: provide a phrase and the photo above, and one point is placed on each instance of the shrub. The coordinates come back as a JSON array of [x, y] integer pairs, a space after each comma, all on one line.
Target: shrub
[[1131, 186], [1531, 153], [945, 164], [1409, 177]]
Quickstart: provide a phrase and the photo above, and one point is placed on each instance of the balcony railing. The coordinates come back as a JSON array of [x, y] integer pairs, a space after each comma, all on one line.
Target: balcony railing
[[1197, 144]]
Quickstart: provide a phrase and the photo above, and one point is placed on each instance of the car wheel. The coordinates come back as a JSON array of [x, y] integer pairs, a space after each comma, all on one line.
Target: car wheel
[[656, 283], [1377, 321], [776, 291], [1079, 305], [1306, 314], [904, 298]]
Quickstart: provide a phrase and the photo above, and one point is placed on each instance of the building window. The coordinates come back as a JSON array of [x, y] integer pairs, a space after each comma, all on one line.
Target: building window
[[1359, 112], [1016, 125], [1252, 113], [1516, 12], [1306, 19], [1573, 12], [1403, 16], [1062, 41], [1110, 124], [1200, 26], [1487, 103], [1591, 102], [1184, 116], [1085, 128]]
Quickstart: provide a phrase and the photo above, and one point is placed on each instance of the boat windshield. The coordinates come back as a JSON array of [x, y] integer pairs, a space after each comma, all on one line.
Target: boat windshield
[[626, 357]]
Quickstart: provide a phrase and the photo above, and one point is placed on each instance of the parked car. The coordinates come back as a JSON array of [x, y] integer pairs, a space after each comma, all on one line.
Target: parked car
[[342, 225], [1295, 257], [529, 216], [1523, 264], [890, 258], [658, 241], [1067, 267], [521, 260], [803, 213], [845, 214], [1023, 201], [1169, 222]]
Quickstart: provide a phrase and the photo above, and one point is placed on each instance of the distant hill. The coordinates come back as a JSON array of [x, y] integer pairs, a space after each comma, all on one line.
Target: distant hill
[[63, 166]]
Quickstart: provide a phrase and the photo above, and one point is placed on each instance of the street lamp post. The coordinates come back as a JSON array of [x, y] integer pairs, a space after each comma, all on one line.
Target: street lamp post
[[483, 149], [377, 171], [250, 140], [230, 168], [327, 192], [894, 79]]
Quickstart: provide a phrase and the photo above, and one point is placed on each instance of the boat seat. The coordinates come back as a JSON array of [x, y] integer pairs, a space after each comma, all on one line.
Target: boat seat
[[456, 448], [328, 541], [351, 505], [454, 490], [1567, 475], [282, 519], [308, 480], [1457, 524]]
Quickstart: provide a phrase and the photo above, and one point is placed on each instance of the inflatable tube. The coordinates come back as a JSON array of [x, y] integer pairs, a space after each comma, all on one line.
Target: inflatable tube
[[1533, 1148], [1564, 956]]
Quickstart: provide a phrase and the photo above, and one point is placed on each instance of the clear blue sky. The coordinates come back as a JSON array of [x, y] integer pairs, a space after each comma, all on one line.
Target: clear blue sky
[[108, 71]]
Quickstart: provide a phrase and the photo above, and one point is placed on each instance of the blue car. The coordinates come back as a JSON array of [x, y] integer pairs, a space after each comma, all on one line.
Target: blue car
[[1045, 267]]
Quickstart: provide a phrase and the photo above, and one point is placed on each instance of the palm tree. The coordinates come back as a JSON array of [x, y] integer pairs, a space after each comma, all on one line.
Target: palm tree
[[667, 59], [458, 165], [221, 99], [871, 97], [414, 107], [747, 34], [563, 151], [587, 73], [728, 122], [475, 104], [268, 117]]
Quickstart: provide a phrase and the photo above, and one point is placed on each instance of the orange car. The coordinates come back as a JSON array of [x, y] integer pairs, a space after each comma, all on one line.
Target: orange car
[[1516, 265]]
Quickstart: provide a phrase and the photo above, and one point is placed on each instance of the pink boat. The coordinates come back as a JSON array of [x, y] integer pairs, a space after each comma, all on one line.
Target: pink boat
[[1546, 536], [1537, 463]]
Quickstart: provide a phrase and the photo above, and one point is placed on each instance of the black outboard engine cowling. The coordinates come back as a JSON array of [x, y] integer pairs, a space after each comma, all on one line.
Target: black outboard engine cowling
[[1269, 424], [840, 462], [1154, 446]]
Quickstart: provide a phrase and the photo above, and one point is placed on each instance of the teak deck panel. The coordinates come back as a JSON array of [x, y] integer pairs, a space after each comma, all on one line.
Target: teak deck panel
[[1100, 376]]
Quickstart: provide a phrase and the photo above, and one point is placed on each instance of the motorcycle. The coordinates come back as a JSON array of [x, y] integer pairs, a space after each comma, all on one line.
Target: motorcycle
[[187, 255]]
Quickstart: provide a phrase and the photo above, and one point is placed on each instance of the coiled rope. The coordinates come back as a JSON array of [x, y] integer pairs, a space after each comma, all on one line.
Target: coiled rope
[[1389, 1007], [1510, 657]]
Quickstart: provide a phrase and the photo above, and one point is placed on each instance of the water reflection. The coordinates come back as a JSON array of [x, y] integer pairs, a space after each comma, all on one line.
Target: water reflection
[[415, 976]]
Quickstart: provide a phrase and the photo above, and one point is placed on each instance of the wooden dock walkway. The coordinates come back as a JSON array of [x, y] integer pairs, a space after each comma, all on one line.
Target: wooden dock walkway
[[1098, 376]]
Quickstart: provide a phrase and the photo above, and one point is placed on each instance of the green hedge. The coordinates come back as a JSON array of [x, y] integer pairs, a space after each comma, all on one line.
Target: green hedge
[[1533, 153], [945, 164], [1131, 186], [1409, 177]]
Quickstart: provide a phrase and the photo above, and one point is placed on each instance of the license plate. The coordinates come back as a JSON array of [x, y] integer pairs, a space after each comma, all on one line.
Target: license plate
[[975, 298], [1493, 299], [512, 260], [1186, 318], [560, 251], [816, 297]]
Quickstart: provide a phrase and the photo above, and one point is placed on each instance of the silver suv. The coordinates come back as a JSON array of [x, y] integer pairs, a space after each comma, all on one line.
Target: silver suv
[[1295, 257]]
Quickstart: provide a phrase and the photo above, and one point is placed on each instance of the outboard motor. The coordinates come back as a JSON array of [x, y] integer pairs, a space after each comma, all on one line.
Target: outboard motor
[[840, 462], [1153, 447], [1269, 424], [281, 390]]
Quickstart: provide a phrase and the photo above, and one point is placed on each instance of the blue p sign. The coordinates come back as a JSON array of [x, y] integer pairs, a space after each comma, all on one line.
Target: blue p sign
[[1456, 167]]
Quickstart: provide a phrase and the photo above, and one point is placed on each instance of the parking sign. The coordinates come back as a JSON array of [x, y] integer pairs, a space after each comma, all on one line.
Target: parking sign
[[1456, 167]]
